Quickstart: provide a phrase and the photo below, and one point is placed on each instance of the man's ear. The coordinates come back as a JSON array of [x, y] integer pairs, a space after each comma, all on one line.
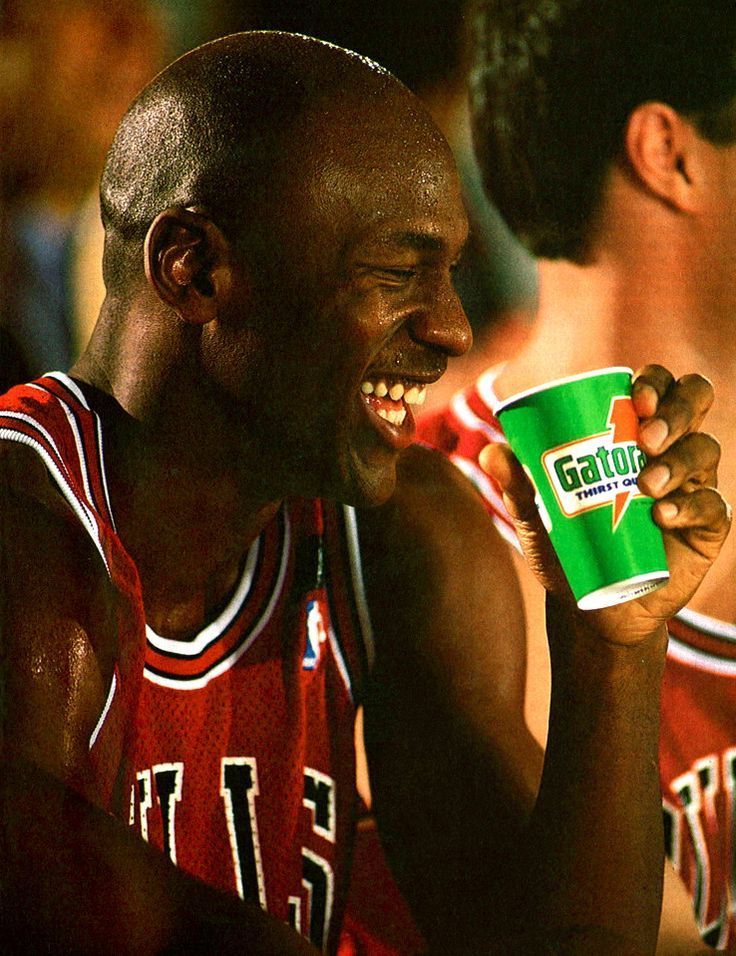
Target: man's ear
[[662, 150], [187, 261]]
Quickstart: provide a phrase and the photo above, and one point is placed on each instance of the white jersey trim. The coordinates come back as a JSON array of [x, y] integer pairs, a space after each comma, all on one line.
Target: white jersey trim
[[712, 663], [70, 384], [485, 388], [80, 396], [707, 624], [80, 451], [227, 662], [685, 654], [105, 710], [356, 570], [467, 417], [209, 634]]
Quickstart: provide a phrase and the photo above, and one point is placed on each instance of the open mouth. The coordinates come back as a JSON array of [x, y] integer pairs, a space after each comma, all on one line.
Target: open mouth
[[391, 400]]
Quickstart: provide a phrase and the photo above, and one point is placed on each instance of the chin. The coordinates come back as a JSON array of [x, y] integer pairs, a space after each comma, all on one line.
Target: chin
[[371, 490], [361, 477]]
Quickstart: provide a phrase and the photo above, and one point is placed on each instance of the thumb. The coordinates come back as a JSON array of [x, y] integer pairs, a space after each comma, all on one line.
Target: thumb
[[500, 464]]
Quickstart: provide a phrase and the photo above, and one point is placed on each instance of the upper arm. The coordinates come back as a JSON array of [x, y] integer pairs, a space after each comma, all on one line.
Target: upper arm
[[55, 623], [75, 879], [454, 769]]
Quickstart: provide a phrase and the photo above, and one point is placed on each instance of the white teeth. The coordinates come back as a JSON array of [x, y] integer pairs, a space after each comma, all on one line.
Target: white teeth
[[415, 395], [411, 395], [395, 418], [396, 391]]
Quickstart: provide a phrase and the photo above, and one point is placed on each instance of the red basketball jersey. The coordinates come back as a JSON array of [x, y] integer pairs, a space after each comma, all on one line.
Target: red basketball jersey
[[697, 756], [232, 752], [698, 736]]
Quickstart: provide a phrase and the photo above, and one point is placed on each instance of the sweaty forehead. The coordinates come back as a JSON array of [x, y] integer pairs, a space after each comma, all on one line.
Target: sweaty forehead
[[387, 164]]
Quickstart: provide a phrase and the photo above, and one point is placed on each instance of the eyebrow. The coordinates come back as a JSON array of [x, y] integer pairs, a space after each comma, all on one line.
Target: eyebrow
[[415, 239], [419, 241]]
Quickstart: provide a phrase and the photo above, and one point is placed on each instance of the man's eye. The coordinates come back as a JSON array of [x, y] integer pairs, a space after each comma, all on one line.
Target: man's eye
[[400, 275]]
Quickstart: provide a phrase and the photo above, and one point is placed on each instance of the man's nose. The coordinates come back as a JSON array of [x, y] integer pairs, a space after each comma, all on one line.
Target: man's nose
[[443, 324]]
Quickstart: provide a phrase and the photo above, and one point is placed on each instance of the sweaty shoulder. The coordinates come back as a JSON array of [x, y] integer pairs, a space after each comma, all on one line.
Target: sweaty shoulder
[[435, 508], [57, 639], [436, 567], [49, 568]]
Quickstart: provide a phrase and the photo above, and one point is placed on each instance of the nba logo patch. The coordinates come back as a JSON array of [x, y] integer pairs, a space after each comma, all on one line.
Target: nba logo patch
[[317, 625]]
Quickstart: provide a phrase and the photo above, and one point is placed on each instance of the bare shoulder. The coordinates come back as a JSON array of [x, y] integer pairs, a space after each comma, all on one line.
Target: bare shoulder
[[56, 614], [439, 578], [435, 523], [40, 535]]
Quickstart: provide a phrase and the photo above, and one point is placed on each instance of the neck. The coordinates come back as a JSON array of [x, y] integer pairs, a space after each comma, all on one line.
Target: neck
[[184, 512], [657, 287], [626, 312], [185, 518]]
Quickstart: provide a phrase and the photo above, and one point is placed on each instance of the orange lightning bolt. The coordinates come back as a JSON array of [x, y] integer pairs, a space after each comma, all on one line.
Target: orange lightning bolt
[[625, 425]]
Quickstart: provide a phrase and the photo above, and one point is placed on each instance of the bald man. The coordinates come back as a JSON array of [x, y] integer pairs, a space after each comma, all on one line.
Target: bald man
[[188, 621]]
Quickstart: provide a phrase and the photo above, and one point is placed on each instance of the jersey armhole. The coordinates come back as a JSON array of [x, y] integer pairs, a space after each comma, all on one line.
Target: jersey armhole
[[356, 573]]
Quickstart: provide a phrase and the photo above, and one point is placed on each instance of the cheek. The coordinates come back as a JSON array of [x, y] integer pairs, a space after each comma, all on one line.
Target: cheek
[[363, 323], [232, 359]]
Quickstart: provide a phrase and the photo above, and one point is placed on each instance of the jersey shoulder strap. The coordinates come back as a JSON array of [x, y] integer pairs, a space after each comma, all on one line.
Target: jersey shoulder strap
[[52, 417]]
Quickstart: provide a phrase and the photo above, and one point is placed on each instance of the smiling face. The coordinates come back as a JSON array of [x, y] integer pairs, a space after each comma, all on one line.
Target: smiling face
[[353, 310]]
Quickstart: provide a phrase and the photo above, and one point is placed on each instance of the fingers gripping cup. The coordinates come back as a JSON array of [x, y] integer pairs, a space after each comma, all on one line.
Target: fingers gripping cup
[[576, 438]]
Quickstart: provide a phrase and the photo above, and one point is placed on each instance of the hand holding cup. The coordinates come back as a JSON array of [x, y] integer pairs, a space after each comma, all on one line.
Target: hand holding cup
[[676, 486]]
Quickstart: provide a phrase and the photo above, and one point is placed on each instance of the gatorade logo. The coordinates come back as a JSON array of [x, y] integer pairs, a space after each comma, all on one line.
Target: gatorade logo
[[600, 470]]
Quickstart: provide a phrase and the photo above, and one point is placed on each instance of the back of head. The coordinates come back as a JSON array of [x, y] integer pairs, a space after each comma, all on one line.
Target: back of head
[[216, 126], [554, 82]]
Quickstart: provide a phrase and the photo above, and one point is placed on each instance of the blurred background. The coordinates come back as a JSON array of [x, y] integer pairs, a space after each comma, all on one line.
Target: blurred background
[[69, 68]]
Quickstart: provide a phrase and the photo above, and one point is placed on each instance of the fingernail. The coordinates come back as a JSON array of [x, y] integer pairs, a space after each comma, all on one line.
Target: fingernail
[[658, 477], [654, 432], [643, 391], [667, 510]]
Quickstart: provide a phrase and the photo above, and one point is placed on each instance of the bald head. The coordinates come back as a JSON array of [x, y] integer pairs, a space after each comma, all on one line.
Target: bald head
[[282, 218], [216, 127]]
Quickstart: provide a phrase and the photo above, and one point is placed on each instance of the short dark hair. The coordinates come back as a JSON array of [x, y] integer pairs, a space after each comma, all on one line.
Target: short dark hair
[[553, 83]]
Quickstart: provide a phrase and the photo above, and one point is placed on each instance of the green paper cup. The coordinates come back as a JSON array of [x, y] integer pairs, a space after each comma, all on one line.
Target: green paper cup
[[576, 438]]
